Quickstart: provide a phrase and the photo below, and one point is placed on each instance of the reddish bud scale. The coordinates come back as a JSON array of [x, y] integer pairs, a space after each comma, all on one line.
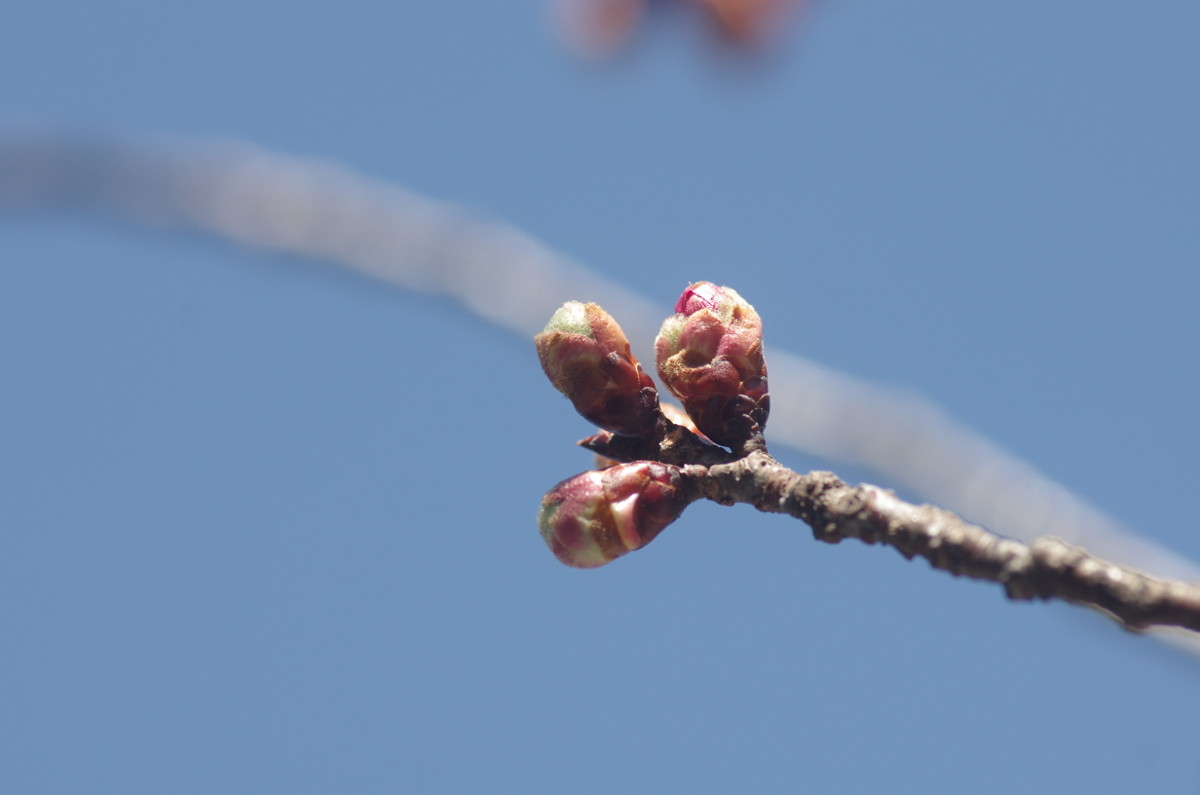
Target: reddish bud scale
[[596, 517], [710, 356], [587, 358]]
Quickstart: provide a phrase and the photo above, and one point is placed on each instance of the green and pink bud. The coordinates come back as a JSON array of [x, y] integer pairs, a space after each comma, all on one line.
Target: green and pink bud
[[597, 517], [710, 356], [586, 356]]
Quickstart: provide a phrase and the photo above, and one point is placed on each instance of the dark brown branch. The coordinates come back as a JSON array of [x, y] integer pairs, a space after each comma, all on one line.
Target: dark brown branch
[[1046, 569], [1049, 568]]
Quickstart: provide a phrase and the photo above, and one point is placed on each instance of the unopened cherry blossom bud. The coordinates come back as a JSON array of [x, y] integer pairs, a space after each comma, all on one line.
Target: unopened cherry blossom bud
[[596, 517], [586, 356], [710, 356]]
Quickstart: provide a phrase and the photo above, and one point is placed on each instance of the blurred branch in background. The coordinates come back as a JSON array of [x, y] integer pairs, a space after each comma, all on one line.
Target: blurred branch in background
[[325, 212]]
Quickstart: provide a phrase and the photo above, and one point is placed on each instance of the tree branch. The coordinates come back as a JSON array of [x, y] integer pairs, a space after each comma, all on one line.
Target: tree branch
[[1046, 569], [319, 210]]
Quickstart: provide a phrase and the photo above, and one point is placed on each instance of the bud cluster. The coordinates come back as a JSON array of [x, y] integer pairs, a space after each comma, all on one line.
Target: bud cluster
[[709, 355]]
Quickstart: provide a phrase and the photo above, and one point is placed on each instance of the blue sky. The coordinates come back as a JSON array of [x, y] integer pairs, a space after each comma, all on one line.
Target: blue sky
[[269, 527]]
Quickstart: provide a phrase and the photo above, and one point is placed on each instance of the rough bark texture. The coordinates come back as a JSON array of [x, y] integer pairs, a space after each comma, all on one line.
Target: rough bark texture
[[1047, 569]]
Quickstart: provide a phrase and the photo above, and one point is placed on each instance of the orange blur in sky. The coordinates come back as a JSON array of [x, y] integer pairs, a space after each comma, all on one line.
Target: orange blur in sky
[[600, 27]]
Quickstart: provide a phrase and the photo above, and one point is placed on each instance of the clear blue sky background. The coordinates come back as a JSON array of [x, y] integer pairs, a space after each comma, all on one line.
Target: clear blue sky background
[[266, 527]]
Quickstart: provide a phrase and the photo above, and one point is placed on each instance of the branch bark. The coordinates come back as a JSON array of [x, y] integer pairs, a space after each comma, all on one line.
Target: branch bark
[[1046, 569]]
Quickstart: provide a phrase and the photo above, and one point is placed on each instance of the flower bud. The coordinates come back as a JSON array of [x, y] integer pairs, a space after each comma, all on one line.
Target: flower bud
[[710, 356], [586, 356], [596, 517]]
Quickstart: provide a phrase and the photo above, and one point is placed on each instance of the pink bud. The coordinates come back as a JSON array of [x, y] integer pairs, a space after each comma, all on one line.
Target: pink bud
[[710, 356], [596, 517], [585, 355]]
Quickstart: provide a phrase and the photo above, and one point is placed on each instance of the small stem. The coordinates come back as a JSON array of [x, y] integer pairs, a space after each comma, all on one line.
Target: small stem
[[757, 443], [669, 444]]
